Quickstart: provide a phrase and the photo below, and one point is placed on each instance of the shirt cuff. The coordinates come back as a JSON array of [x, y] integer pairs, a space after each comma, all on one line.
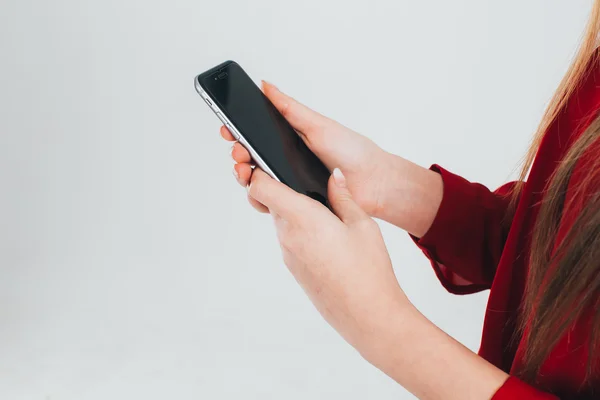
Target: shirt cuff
[[454, 210], [514, 388]]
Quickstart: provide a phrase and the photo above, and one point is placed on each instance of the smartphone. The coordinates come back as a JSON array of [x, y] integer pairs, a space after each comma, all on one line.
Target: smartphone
[[257, 125]]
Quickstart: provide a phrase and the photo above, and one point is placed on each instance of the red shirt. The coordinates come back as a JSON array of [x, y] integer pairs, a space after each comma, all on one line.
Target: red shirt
[[470, 251]]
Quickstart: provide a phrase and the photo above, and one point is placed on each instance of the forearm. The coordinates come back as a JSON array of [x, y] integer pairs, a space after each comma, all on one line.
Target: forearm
[[428, 362], [410, 196]]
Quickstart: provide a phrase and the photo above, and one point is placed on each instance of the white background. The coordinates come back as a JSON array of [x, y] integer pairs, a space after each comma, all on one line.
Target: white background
[[131, 266]]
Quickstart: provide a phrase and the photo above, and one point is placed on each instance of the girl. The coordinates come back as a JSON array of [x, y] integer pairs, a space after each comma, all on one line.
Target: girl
[[534, 244]]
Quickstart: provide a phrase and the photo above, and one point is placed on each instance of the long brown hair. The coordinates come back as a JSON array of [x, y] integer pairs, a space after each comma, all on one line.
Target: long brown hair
[[562, 283]]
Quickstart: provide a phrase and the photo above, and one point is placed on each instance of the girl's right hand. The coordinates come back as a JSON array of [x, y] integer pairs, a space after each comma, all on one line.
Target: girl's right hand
[[365, 164]]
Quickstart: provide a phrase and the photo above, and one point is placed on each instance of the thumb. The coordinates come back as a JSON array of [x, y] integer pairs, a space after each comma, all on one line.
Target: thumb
[[341, 200]]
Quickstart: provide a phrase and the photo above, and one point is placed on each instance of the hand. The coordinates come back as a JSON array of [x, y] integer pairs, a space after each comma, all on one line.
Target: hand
[[340, 261], [364, 163]]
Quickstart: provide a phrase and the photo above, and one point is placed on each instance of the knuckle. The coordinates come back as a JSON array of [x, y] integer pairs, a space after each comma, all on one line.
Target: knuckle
[[287, 242], [286, 109], [295, 238], [367, 224]]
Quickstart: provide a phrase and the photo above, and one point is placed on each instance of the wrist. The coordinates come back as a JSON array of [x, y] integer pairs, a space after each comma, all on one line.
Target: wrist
[[410, 195]]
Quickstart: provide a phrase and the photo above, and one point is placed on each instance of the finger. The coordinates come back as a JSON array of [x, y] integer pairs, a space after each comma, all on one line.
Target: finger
[[242, 173], [341, 200], [225, 134], [302, 118], [276, 196], [240, 154], [257, 206]]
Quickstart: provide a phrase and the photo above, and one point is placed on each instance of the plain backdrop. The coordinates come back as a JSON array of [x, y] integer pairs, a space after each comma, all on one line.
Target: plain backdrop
[[131, 265]]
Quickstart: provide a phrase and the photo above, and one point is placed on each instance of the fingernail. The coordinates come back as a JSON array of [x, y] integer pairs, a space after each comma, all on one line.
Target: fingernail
[[248, 187], [235, 173], [231, 151], [339, 178], [270, 84]]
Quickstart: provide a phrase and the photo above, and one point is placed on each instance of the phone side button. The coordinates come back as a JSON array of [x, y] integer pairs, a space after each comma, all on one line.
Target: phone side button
[[220, 117], [235, 135]]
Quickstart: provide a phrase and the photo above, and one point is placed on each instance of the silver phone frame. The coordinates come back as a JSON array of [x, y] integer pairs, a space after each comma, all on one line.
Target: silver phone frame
[[211, 103]]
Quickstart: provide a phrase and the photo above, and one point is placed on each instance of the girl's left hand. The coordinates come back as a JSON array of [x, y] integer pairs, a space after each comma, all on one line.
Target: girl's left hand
[[340, 260]]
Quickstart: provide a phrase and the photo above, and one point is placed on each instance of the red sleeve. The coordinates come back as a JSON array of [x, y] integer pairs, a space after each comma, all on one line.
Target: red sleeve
[[514, 388], [466, 239]]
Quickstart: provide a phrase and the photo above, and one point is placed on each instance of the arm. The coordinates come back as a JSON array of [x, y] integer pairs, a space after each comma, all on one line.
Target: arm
[[342, 264], [432, 365], [429, 363]]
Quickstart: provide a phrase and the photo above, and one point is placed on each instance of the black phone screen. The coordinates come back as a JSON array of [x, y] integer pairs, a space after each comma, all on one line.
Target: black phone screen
[[266, 130]]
